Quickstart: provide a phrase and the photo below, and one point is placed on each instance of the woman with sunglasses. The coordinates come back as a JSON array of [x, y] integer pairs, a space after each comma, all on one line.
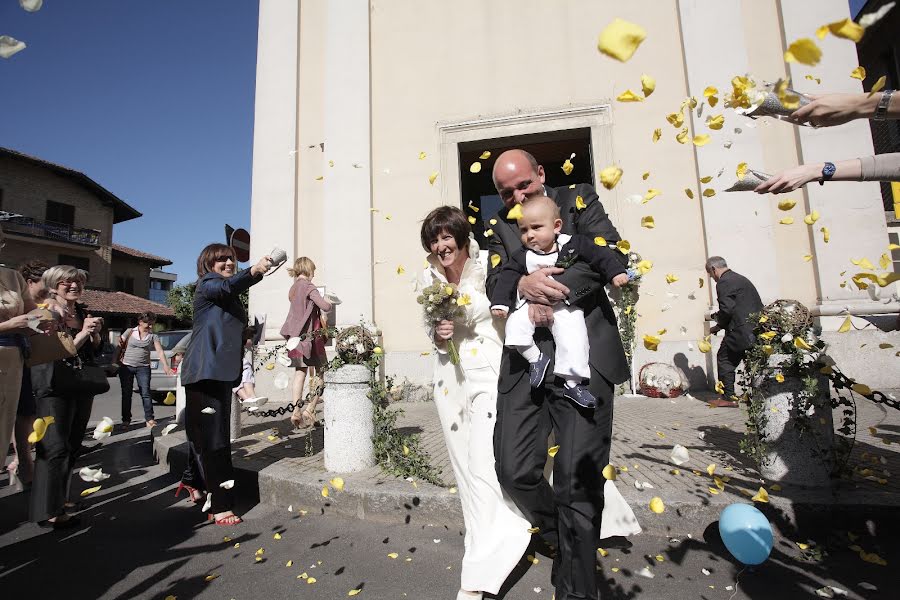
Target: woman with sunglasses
[[211, 365]]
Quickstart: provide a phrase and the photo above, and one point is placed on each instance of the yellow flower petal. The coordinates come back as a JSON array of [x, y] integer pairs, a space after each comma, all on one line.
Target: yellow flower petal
[[620, 39], [807, 257], [495, 260], [40, 428], [671, 278], [433, 177], [644, 266], [579, 203], [662, 331], [629, 96], [858, 73], [648, 84], [787, 221], [485, 155], [682, 136], [689, 193], [277, 536], [338, 483], [676, 119], [803, 51], [846, 325], [715, 122], [609, 473], [624, 246], [651, 342], [400, 270], [657, 133], [846, 29], [704, 346], [353, 592], [657, 506], [741, 170], [800, 343], [475, 167], [711, 468], [464, 300], [393, 555], [702, 139], [821, 32], [552, 451], [568, 167], [651, 194], [826, 235], [610, 176], [859, 388], [720, 387], [811, 217], [710, 91], [90, 491], [603, 552], [761, 496], [706, 179], [648, 222], [600, 240], [472, 219], [709, 193], [311, 580], [877, 87], [787, 204], [516, 211], [325, 491], [534, 530], [422, 155], [768, 335], [645, 175], [779, 378]]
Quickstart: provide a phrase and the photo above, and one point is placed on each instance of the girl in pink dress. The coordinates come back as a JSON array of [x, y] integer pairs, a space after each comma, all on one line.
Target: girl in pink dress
[[308, 355]]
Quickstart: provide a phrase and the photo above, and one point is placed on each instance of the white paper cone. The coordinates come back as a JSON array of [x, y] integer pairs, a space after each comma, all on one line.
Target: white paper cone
[[749, 182]]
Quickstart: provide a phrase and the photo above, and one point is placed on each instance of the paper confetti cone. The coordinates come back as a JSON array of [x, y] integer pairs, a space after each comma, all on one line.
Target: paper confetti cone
[[771, 106], [749, 182]]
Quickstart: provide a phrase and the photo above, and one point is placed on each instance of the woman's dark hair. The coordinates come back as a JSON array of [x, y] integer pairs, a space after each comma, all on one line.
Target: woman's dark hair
[[33, 270], [147, 317], [446, 218], [208, 257]]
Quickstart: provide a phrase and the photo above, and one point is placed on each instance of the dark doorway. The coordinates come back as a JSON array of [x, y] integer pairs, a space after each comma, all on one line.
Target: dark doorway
[[551, 149]]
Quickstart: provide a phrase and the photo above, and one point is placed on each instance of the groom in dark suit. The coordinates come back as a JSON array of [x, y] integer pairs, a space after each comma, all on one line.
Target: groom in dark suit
[[567, 516]]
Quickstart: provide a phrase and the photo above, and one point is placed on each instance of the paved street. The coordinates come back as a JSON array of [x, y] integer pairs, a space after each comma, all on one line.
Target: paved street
[[137, 541]]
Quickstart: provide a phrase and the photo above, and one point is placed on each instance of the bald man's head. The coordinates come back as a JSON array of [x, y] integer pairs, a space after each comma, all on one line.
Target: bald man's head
[[517, 175]]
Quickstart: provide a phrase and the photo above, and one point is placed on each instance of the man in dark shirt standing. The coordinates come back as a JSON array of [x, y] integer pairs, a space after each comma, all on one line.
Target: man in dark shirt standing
[[738, 299]]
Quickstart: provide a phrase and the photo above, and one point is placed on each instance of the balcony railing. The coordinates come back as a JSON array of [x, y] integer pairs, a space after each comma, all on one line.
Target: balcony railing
[[159, 296], [52, 231]]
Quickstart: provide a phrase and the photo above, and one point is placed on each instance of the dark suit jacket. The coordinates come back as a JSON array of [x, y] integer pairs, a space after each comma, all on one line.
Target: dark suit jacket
[[587, 289], [579, 252], [738, 299], [216, 344]]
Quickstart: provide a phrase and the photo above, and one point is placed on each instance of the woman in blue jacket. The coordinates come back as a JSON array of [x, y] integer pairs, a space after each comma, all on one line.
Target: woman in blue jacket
[[211, 366]]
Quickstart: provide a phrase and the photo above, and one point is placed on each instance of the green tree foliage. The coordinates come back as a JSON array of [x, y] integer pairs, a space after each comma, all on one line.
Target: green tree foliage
[[181, 299]]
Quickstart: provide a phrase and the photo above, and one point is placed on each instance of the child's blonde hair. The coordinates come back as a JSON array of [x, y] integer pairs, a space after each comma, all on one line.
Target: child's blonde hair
[[303, 266]]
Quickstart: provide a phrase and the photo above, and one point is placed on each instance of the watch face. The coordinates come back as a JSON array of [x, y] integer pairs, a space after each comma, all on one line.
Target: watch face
[[829, 169]]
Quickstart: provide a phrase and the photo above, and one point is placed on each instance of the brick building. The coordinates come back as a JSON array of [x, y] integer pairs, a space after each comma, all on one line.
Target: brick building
[[65, 217]]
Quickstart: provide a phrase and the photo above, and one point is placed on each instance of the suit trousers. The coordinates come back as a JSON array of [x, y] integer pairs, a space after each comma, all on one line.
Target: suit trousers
[[57, 452], [210, 436], [568, 515], [569, 332], [727, 362]]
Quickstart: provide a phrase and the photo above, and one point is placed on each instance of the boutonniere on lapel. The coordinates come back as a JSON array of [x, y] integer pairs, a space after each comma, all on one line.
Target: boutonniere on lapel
[[567, 259]]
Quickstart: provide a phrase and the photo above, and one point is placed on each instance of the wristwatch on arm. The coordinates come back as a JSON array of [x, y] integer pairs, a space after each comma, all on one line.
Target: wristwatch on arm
[[881, 109], [827, 172]]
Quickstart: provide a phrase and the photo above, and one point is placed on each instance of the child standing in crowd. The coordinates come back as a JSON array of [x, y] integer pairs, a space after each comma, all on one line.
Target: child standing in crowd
[[544, 246]]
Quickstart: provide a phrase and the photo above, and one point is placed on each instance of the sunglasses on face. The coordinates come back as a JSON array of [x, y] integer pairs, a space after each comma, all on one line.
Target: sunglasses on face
[[222, 259]]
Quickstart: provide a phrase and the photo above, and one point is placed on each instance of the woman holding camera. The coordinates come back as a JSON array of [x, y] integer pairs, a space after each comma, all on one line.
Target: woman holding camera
[[60, 393]]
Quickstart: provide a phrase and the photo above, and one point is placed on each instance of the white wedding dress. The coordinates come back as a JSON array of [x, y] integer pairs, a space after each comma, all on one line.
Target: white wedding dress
[[466, 400]]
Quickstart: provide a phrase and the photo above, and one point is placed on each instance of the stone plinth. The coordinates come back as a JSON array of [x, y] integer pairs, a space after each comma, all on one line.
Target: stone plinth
[[348, 420], [799, 456]]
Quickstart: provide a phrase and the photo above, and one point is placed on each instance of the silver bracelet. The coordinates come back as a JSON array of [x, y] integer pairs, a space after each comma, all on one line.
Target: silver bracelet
[[881, 109]]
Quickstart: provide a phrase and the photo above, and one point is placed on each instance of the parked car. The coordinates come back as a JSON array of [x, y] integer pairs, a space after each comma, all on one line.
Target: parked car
[[106, 357], [160, 383]]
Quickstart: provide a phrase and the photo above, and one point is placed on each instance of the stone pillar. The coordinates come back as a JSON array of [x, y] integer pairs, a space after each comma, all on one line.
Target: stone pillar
[[274, 190], [347, 191], [852, 211], [737, 226], [234, 425], [348, 420]]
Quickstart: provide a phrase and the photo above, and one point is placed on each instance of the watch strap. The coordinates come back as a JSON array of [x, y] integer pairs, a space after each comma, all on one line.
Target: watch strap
[[883, 103]]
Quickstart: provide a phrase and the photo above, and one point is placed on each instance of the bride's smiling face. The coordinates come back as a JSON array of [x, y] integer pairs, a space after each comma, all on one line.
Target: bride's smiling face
[[447, 251]]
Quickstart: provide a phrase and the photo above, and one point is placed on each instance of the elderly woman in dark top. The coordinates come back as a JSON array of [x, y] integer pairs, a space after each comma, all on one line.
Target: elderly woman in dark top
[[56, 452], [212, 365]]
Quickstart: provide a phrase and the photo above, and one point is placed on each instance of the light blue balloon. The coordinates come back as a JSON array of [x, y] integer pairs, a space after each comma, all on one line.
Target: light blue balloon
[[746, 532]]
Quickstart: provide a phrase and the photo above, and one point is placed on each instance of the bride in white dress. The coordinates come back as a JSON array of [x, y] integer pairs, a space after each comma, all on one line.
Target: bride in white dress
[[465, 395]]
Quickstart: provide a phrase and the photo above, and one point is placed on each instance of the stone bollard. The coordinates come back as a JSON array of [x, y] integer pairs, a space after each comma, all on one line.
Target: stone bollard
[[235, 425], [348, 420], [795, 456]]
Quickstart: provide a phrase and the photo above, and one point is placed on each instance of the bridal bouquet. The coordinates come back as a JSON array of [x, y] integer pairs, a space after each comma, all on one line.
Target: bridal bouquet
[[442, 302]]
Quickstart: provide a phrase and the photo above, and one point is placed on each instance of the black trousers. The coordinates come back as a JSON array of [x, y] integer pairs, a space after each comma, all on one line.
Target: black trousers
[[209, 434], [56, 453], [568, 515], [727, 362]]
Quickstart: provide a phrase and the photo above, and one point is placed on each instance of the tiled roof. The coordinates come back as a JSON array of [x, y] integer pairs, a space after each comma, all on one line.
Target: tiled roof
[[100, 302], [122, 211], [156, 260]]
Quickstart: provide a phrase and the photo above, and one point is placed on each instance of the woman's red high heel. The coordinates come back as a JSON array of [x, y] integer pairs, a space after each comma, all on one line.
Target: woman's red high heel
[[190, 490]]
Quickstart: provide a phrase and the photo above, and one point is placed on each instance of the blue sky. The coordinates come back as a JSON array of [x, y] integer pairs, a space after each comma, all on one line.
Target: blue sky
[[151, 99]]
